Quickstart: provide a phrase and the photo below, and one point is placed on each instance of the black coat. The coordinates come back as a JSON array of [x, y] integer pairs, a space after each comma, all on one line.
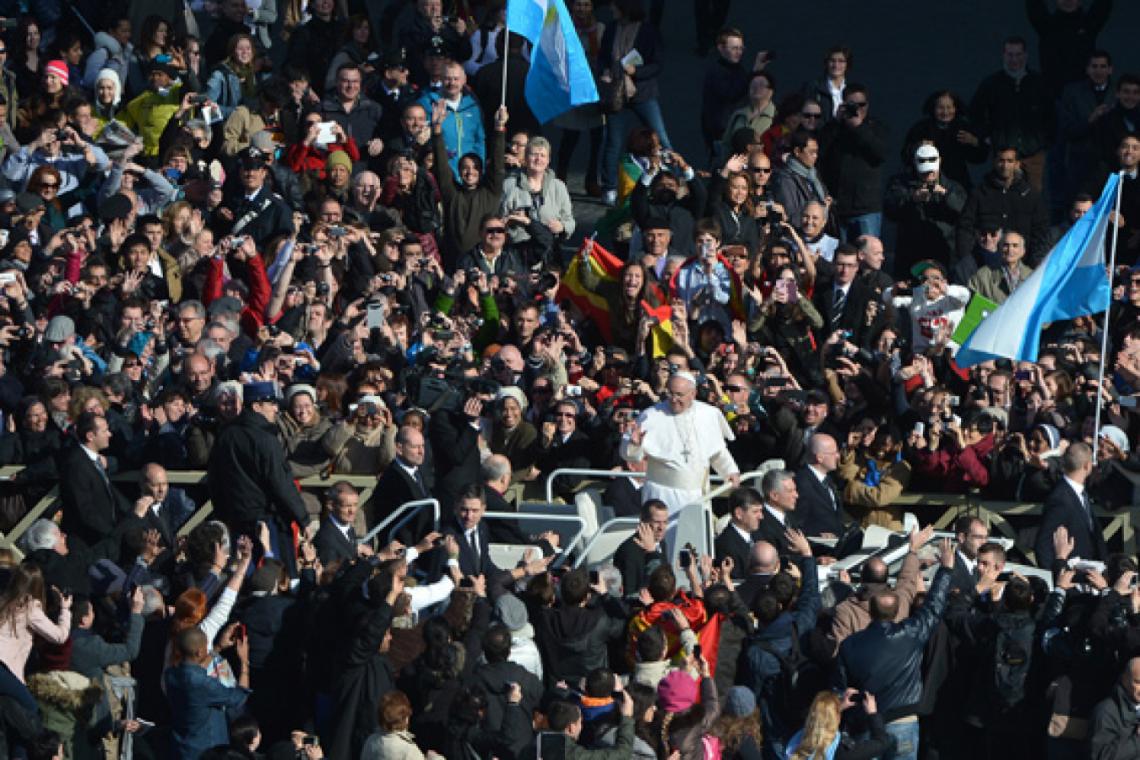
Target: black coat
[[681, 214], [1063, 507], [851, 162], [456, 447], [624, 497], [926, 229], [635, 564], [394, 488], [270, 216], [819, 508], [574, 452], [469, 564], [1017, 114], [886, 658], [772, 531], [1066, 39], [649, 44], [573, 640], [1019, 208], [364, 677], [92, 505], [731, 544], [332, 544], [725, 86], [954, 158], [853, 316], [249, 478]]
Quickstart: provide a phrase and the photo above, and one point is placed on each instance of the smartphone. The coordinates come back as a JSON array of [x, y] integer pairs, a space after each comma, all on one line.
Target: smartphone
[[573, 390], [685, 558], [1022, 374], [858, 698], [775, 382], [7, 278], [310, 741], [920, 429], [954, 401], [594, 577], [375, 316], [697, 651]]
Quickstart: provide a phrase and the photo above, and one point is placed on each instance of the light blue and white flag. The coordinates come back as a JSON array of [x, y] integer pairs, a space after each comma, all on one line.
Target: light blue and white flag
[[560, 76], [1071, 282]]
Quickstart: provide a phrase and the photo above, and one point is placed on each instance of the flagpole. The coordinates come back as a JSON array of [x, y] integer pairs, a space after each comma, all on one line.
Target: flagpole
[[1107, 313], [506, 54]]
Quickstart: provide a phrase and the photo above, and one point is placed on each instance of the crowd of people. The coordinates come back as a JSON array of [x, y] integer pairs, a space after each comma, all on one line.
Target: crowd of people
[[311, 240]]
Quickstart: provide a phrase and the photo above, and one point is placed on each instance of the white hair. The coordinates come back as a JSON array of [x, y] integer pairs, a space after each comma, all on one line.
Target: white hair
[[42, 534]]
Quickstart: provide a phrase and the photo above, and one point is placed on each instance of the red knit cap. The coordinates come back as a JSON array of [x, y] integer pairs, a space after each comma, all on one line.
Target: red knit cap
[[59, 68]]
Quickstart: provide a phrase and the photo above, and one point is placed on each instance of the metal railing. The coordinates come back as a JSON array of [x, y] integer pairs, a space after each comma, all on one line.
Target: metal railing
[[563, 553], [603, 475], [413, 508]]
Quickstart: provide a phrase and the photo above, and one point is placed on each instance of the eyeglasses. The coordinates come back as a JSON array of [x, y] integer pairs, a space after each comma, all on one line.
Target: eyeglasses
[[760, 169], [810, 115], [570, 415], [735, 388], [854, 104], [495, 231], [3, 51], [676, 394], [49, 186]]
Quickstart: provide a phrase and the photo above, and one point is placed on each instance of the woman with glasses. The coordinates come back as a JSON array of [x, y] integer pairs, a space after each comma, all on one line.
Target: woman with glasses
[[45, 182]]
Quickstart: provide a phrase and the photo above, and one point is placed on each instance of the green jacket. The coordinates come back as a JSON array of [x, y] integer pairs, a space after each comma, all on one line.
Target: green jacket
[[621, 750], [990, 282]]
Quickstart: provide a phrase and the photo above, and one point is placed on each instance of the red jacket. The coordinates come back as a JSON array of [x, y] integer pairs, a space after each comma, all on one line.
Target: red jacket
[[253, 316], [303, 158], [958, 470]]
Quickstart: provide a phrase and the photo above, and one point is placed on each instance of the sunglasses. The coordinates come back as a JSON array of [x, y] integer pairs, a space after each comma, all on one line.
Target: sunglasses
[[570, 415], [734, 388], [760, 169], [49, 186], [495, 231], [809, 115]]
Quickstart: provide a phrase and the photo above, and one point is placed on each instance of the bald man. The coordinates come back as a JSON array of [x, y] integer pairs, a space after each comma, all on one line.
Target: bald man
[[763, 563], [853, 614], [820, 505], [681, 440]]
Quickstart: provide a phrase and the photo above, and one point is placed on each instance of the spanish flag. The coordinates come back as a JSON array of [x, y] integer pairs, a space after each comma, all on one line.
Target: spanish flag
[[605, 266]]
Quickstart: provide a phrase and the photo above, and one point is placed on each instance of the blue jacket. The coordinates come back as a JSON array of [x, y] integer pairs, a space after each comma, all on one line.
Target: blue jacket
[[198, 706], [224, 88], [462, 129]]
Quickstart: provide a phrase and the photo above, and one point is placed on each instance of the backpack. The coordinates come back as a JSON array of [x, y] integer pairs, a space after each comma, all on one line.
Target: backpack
[[1012, 658], [784, 692]]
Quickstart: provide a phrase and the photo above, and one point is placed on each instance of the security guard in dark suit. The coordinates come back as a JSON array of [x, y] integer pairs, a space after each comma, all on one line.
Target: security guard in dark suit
[[258, 211]]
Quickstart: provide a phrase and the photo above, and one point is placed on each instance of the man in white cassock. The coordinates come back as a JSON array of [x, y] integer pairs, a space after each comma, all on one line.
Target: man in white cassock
[[680, 439]]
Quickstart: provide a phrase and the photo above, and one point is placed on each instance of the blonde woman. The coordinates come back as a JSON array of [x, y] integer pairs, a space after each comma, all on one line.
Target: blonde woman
[[821, 738]]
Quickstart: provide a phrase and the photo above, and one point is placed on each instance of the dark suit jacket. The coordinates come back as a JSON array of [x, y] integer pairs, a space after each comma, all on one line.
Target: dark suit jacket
[[816, 513], [853, 316], [961, 579], [1063, 507], [332, 544], [752, 587], [394, 488], [575, 452], [635, 565], [731, 544], [772, 531], [624, 497], [468, 563], [92, 505]]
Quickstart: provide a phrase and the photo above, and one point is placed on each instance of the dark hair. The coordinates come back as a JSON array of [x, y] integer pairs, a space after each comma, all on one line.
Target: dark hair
[[662, 583], [85, 425], [648, 508], [599, 682], [765, 75], [800, 139], [243, 730], [575, 586], [1014, 39], [745, 496], [471, 491], [561, 714], [639, 141], [1127, 78], [497, 644], [651, 644], [846, 51], [1099, 53]]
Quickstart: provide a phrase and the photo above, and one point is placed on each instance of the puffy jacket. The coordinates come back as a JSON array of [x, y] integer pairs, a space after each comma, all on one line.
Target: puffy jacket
[[886, 658], [851, 164], [574, 640], [462, 128], [148, 114], [1018, 208]]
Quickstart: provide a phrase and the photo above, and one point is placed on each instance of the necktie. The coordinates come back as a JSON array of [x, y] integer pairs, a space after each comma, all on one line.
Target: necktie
[[473, 539], [837, 306], [351, 534], [420, 483], [1088, 508], [831, 493]]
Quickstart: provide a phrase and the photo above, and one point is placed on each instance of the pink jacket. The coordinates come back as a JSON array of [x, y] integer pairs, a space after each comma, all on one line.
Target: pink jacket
[[16, 635]]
